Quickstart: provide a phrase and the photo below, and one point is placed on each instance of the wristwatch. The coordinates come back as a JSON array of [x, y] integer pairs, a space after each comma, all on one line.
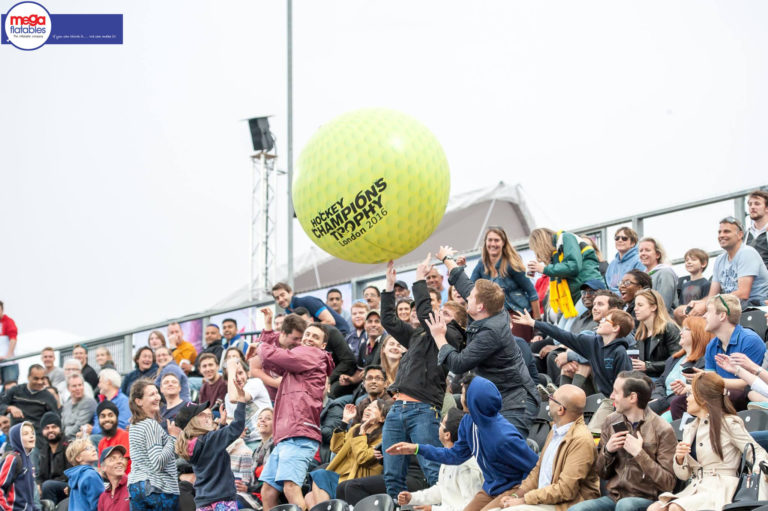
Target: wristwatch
[[447, 257]]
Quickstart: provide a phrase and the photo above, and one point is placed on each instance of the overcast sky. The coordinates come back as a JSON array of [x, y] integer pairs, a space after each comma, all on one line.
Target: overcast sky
[[125, 170]]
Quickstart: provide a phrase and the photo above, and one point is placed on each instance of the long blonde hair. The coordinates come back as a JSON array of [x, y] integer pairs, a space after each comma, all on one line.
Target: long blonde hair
[[509, 256], [660, 318], [541, 243], [192, 430]]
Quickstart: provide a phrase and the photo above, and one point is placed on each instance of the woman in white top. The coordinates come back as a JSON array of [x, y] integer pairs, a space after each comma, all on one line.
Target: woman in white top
[[153, 481], [256, 399]]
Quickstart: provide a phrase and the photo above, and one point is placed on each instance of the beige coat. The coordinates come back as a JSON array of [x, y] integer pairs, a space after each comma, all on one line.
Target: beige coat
[[712, 487], [573, 477]]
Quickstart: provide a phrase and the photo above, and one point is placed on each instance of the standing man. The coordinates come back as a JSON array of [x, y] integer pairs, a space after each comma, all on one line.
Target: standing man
[[9, 371], [491, 350], [419, 386], [758, 213], [81, 353], [184, 353], [626, 257], [283, 295], [738, 271], [335, 302], [634, 456], [305, 370]]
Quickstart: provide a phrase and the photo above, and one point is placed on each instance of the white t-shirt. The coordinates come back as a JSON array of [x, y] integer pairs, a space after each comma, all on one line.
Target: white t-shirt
[[746, 263], [255, 388]]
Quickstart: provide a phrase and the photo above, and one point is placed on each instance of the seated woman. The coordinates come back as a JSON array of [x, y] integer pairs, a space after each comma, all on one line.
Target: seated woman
[[104, 358], [711, 449], [658, 337], [632, 283], [663, 277], [672, 382], [355, 454]]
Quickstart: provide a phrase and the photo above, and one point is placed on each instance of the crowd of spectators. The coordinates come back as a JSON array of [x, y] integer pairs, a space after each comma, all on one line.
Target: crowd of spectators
[[430, 393]]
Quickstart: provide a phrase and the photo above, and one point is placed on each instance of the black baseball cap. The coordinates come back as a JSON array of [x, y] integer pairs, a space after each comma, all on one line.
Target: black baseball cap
[[400, 283], [188, 412]]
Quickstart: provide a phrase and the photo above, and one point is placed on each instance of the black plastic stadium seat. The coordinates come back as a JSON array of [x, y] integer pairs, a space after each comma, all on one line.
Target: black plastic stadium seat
[[379, 502]]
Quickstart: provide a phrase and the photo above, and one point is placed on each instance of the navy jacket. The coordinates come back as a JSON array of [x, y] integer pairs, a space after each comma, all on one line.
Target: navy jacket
[[212, 464], [134, 375], [501, 451], [607, 361]]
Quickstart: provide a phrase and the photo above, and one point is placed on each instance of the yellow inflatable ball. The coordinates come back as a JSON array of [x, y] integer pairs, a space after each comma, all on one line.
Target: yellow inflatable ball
[[371, 185]]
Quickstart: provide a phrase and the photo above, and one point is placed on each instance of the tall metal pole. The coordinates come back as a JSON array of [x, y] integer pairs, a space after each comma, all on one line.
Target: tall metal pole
[[289, 138]]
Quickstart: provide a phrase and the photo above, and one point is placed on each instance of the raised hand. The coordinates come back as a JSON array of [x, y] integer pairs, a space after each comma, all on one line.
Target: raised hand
[[391, 276], [422, 269], [523, 318], [436, 324]]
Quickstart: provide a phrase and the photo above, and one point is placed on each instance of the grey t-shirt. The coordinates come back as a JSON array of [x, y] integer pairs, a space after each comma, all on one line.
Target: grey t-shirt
[[746, 263]]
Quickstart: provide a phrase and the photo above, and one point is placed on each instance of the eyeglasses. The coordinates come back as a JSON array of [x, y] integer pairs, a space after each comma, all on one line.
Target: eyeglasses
[[552, 398], [724, 304], [621, 238], [606, 320], [627, 282]]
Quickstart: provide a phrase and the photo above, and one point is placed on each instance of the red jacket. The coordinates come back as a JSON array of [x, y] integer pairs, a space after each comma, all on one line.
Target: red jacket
[[300, 396], [121, 500]]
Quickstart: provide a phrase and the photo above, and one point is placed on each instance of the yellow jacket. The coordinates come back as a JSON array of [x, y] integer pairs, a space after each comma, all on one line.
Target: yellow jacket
[[354, 454], [185, 351]]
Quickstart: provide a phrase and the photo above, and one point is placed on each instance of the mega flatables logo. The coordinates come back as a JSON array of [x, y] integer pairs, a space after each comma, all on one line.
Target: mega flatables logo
[[28, 25]]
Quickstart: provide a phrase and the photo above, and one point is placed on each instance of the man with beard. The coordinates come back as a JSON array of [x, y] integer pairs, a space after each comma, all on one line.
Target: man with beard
[[53, 461], [108, 414]]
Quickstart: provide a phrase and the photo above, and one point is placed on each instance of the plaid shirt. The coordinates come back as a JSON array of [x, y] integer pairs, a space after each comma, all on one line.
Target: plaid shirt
[[241, 460]]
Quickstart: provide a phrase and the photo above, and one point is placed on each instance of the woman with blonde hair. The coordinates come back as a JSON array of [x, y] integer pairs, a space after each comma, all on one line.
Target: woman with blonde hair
[[711, 449], [104, 358], [658, 337], [663, 277], [672, 382], [569, 261], [500, 263]]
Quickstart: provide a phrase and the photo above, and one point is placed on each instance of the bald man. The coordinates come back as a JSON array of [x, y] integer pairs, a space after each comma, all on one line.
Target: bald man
[[564, 474]]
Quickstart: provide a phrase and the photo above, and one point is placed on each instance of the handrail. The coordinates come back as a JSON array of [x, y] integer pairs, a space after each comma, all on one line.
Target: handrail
[[520, 244]]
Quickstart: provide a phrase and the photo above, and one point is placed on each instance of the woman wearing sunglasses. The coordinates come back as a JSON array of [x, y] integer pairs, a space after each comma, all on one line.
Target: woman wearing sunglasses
[[626, 258]]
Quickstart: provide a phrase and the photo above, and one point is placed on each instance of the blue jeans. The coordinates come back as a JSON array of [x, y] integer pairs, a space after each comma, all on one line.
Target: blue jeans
[[416, 423], [607, 504], [140, 501]]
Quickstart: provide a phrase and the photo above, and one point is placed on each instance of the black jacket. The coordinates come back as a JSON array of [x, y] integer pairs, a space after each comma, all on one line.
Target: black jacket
[[344, 360], [491, 352], [419, 375], [53, 465], [33, 405], [657, 349]]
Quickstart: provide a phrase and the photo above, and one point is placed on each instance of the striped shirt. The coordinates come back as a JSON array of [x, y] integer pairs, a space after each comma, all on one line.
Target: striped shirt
[[152, 456]]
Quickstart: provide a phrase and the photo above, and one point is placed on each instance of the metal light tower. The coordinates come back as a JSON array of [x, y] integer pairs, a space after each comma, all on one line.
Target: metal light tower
[[263, 176]]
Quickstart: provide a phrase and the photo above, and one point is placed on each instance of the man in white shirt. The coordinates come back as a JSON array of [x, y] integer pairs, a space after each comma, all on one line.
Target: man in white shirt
[[564, 474]]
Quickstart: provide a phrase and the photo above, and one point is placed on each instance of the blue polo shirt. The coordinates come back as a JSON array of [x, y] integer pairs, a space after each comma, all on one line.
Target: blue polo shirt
[[315, 306], [743, 340]]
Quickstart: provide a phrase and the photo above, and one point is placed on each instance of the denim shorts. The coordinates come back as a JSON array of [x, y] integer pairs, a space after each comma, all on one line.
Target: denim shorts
[[289, 462]]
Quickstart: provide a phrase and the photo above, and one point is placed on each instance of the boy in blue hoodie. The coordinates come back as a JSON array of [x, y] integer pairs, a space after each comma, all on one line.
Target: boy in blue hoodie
[[606, 351], [501, 451], [85, 483], [17, 477]]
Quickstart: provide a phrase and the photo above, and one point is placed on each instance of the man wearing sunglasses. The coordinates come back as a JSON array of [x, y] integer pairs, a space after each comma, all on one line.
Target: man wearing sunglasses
[[738, 271], [626, 257]]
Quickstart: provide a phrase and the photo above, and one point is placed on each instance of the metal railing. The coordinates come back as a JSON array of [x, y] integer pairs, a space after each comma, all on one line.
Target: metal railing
[[122, 344]]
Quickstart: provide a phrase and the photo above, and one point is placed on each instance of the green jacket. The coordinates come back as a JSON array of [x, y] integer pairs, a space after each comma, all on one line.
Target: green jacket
[[573, 260]]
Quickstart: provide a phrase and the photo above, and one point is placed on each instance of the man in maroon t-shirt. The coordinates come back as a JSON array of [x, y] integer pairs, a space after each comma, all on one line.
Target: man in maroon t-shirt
[[214, 387], [9, 371]]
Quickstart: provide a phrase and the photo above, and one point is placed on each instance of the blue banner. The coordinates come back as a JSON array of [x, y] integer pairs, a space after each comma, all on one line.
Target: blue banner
[[81, 29]]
